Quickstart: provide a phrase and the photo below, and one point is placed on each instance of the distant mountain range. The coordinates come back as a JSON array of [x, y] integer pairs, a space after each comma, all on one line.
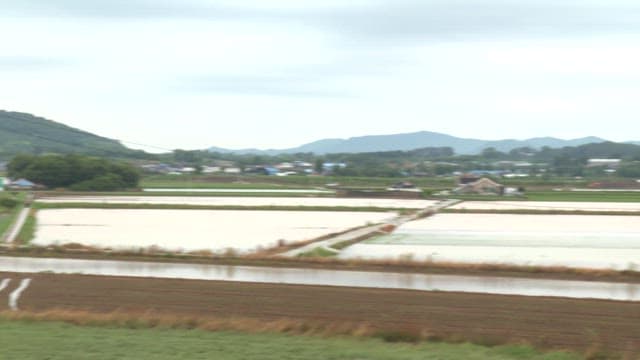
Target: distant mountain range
[[411, 141], [25, 133]]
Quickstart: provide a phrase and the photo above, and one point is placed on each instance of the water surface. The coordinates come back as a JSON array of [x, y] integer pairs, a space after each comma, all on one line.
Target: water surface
[[422, 282]]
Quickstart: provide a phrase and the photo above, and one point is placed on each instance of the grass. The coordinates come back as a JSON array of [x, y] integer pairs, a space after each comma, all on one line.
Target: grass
[[28, 231], [8, 216], [571, 196], [56, 340], [159, 184], [541, 212], [184, 194], [81, 205], [300, 181], [5, 221], [587, 196], [317, 252]]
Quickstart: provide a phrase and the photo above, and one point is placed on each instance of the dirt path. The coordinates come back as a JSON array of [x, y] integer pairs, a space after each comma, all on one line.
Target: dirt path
[[549, 322], [369, 231]]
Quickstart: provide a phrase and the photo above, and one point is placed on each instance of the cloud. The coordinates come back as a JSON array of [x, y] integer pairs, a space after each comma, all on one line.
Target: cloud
[[127, 9], [30, 63], [333, 79], [287, 85], [376, 19]]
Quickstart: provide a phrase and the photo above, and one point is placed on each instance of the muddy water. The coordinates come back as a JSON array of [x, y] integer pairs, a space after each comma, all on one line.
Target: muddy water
[[423, 282]]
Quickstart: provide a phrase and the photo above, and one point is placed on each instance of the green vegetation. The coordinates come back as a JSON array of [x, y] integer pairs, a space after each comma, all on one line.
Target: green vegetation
[[182, 194], [53, 340], [584, 196], [565, 195], [10, 206], [25, 133], [28, 231], [284, 182], [222, 182], [76, 172], [80, 205], [318, 252], [541, 212], [545, 162]]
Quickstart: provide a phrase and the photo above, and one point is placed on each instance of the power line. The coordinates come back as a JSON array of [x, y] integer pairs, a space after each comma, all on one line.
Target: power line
[[77, 131]]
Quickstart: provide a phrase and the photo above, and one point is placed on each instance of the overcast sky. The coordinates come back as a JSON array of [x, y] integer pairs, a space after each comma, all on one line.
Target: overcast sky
[[280, 73]]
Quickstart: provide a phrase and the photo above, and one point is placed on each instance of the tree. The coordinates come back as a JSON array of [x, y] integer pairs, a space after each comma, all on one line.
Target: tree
[[318, 166], [492, 153], [74, 170]]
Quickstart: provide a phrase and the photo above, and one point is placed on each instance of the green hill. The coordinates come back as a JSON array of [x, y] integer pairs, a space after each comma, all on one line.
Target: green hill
[[25, 133]]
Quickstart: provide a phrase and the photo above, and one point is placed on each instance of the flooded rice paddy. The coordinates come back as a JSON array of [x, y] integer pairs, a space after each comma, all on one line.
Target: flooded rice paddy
[[191, 230], [245, 201], [547, 205], [582, 241], [423, 282]]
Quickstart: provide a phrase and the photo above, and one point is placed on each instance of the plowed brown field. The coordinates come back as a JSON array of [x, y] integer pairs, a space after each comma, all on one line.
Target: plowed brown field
[[549, 322]]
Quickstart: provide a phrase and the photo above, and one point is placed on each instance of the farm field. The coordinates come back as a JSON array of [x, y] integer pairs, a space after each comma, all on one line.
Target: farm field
[[586, 196], [191, 230], [33, 340], [582, 241], [278, 182], [243, 201], [552, 323], [548, 205], [239, 190]]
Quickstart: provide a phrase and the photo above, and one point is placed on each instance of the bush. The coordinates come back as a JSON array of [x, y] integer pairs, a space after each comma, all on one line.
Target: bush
[[8, 202], [108, 182]]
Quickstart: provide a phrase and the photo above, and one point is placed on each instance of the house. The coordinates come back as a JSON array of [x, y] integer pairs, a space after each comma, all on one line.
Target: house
[[232, 170], [404, 186], [21, 184], [608, 163], [465, 179], [482, 186], [211, 169], [187, 170]]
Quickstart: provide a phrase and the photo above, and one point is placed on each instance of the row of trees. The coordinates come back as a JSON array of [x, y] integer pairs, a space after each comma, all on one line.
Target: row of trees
[[567, 161], [75, 172]]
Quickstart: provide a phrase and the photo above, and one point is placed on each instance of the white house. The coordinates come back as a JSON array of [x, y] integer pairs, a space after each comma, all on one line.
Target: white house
[[610, 163]]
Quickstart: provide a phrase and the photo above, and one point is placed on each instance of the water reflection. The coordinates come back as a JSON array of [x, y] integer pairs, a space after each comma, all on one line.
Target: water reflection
[[423, 282]]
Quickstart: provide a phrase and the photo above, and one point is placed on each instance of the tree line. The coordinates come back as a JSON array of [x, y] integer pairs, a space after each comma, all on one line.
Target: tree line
[[75, 172]]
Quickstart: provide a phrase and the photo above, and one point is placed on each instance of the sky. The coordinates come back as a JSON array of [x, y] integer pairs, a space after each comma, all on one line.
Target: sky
[[280, 73]]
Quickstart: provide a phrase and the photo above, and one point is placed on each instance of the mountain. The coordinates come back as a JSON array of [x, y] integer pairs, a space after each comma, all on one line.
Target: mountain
[[26, 133], [415, 140]]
